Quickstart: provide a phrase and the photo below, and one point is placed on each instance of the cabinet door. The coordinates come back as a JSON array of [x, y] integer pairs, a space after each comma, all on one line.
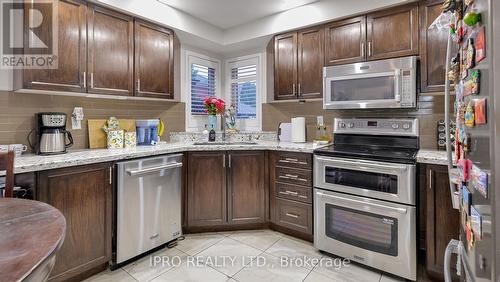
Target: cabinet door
[[83, 195], [433, 45], [310, 60], [345, 41], [111, 52], [71, 50], [285, 66], [154, 61], [443, 222], [206, 191], [393, 33], [247, 195]]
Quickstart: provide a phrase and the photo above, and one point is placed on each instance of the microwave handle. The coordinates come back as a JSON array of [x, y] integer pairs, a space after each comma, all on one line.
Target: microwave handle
[[397, 85]]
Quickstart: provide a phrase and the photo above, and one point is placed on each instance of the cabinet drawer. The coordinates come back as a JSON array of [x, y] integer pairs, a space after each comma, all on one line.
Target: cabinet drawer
[[294, 160], [294, 192], [294, 215], [294, 176]]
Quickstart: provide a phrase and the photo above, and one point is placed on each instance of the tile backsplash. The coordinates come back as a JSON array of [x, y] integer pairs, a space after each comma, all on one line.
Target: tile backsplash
[[430, 109], [17, 114]]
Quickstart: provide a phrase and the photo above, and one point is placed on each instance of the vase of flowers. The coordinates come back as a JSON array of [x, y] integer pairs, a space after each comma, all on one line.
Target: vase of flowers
[[213, 107]]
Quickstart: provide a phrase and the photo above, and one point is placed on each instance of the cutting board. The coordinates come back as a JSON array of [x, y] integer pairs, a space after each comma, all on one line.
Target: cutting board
[[97, 136]]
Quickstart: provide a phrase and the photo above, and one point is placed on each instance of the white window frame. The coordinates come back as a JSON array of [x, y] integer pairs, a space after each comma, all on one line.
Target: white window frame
[[196, 123], [247, 124]]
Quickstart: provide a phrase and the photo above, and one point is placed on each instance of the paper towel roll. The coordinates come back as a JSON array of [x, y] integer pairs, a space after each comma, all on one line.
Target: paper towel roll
[[299, 130]]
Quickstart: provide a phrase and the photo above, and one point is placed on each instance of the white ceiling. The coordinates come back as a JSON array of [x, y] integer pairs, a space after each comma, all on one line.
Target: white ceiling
[[230, 13]]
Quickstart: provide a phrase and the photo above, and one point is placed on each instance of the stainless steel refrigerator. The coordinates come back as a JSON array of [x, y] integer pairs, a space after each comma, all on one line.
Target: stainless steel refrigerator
[[474, 166]]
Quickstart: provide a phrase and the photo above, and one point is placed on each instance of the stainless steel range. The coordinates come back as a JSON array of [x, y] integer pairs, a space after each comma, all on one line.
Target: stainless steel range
[[364, 194]]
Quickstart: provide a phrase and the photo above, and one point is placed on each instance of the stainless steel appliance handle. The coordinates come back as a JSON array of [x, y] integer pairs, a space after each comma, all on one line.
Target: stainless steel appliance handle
[[361, 75], [399, 210], [362, 165], [153, 169], [84, 79], [397, 85]]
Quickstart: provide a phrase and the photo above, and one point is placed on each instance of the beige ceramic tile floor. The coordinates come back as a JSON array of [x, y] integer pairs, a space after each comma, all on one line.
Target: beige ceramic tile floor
[[244, 256]]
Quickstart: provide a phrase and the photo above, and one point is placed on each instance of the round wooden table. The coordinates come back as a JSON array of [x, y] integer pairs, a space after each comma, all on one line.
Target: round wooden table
[[31, 233]]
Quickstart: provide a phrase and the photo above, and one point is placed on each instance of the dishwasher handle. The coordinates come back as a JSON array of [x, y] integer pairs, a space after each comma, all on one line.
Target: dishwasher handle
[[153, 169]]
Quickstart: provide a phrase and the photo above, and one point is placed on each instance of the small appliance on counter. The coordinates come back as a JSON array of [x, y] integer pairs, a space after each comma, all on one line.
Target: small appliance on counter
[[285, 132], [147, 131], [299, 130], [51, 131]]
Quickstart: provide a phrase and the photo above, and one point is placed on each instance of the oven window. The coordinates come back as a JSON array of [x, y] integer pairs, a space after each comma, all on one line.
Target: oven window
[[373, 88], [381, 182], [365, 230]]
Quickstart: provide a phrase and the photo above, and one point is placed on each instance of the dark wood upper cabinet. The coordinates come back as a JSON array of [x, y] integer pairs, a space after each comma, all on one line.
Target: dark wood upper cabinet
[[111, 52], [206, 189], [71, 50], [345, 41], [285, 66], [247, 193], [310, 60], [392, 32], [433, 45], [154, 61], [442, 221], [84, 196]]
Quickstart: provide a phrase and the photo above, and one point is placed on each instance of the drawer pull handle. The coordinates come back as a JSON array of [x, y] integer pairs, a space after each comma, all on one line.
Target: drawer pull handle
[[292, 177], [292, 161], [292, 215], [290, 193]]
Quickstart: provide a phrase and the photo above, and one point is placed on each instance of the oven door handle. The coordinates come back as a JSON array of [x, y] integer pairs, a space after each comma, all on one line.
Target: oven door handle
[[398, 210], [360, 165]]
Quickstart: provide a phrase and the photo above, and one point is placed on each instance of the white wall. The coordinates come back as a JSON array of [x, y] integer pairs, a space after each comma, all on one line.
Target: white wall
[[6, 80]]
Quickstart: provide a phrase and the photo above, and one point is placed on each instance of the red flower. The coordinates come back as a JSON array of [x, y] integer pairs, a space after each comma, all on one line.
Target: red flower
[[214, 105]]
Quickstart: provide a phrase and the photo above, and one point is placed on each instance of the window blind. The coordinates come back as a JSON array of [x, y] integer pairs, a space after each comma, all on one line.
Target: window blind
[[244, 91], [202, 86]]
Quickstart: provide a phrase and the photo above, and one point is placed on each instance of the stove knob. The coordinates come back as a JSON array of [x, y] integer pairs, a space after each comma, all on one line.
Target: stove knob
[[406, 126], [351, 125], [395, 126], [341, 124]]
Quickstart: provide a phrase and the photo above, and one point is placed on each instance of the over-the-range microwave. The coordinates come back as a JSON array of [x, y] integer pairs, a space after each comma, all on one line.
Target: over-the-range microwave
[[383, 84]]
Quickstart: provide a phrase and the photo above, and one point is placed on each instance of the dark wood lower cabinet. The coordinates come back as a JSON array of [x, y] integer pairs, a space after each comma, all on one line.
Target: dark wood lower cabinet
[[226, 189], [439, 221], [247, 193], [84, 196], [206, 189]]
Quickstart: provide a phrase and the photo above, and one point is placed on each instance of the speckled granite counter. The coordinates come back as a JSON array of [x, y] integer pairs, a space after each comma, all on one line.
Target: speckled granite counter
[[432, 157], [28, 163]]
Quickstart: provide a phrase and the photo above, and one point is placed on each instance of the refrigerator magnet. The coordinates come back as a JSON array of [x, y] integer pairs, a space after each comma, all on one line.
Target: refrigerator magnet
[[480, 111], [476, 223], [479, 180], [472, 83], [466, 199], [469, 114], [481, 45], [471, 53]]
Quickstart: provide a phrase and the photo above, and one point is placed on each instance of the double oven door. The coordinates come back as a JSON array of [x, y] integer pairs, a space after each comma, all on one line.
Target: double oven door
[[364, 211]]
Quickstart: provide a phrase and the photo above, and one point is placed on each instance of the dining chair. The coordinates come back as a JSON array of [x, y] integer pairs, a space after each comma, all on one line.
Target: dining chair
[[7, 165]]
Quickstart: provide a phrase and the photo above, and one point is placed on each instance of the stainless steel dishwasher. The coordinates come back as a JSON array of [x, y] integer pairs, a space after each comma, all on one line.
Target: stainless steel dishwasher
[[148, 204]]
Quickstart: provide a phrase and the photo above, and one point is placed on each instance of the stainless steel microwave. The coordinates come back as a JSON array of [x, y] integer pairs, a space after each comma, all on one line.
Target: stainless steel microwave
[[383, 84]]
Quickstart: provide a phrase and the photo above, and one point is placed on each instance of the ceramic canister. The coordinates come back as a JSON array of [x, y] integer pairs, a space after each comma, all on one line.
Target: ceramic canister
[[115, 139], [130, 140]]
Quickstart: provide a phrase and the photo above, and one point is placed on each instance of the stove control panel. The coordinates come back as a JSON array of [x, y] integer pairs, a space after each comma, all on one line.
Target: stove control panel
[[377, 126]]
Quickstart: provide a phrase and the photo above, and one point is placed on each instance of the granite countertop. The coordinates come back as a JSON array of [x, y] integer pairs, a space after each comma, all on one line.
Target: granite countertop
[[432, 157], [31, 162]]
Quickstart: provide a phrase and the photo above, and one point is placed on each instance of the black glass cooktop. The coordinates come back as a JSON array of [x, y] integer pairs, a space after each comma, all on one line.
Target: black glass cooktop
[[390, 149]]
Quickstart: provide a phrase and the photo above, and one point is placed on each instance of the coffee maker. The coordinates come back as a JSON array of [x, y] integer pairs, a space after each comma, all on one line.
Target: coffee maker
[[51, 129]]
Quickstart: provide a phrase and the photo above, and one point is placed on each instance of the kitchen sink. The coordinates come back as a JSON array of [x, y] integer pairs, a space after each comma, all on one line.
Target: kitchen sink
[[225, 143]]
